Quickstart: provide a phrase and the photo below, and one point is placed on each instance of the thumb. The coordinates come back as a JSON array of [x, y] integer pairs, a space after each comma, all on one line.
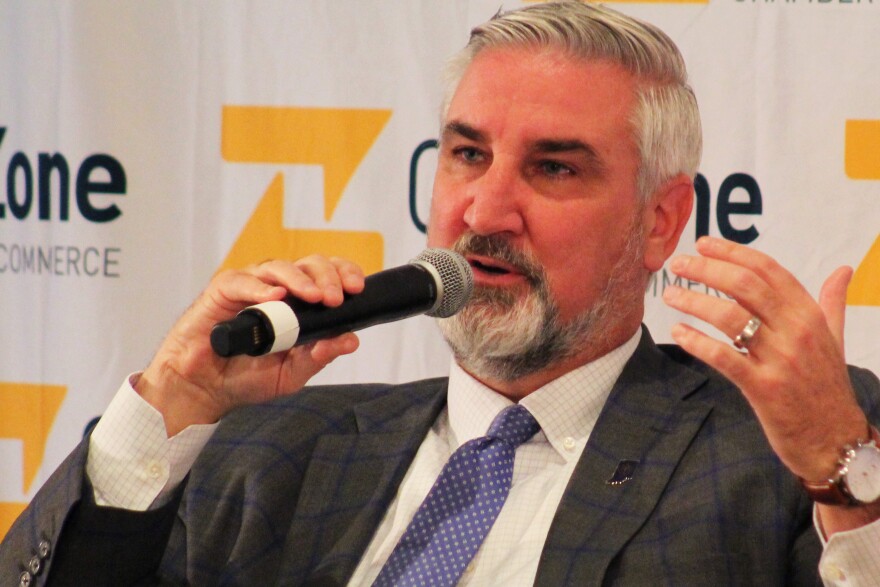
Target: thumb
[[832, 300]]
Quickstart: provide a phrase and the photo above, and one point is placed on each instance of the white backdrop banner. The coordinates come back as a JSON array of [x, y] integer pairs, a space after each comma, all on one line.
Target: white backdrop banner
[[146, 145]]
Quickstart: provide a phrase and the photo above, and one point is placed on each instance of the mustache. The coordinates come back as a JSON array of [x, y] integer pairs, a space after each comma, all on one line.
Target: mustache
[[499, 248]]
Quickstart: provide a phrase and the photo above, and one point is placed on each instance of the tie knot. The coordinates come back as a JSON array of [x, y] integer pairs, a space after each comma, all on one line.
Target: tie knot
[[514, 425]]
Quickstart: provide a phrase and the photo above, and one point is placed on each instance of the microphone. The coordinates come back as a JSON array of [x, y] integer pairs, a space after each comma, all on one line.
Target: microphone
[[438, 282]]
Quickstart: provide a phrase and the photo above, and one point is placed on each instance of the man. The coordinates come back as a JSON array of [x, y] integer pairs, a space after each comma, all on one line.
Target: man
[[568, 147]]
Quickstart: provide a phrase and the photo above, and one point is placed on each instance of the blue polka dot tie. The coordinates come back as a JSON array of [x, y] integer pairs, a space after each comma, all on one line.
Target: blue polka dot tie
[[452, 522]]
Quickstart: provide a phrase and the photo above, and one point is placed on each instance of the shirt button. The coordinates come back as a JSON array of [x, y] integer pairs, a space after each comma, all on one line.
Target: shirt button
[[155, 470], [35, 565], [24, 580], [568, 443], [834, 573]]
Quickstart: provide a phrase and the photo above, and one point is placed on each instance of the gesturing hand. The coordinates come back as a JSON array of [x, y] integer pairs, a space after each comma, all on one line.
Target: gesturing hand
[[793, 372]]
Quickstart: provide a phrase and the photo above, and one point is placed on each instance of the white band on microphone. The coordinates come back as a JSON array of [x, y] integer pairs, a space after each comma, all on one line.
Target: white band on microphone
[[284, 324]]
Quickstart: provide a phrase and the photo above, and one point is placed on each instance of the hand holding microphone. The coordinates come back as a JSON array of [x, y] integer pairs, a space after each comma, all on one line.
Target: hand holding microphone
[[189, 383], [438, 282]]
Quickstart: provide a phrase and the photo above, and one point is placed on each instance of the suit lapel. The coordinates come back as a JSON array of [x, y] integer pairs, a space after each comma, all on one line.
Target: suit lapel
[[351, 480], [645, 420]]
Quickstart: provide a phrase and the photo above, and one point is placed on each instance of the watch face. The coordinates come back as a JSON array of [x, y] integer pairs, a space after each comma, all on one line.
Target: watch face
[[863, 474]]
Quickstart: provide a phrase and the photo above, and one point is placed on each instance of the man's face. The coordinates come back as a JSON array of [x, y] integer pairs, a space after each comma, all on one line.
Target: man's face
[[537, 150]]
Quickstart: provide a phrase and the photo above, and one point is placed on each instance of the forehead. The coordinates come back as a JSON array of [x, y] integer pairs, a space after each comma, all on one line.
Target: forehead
[[543, 93]]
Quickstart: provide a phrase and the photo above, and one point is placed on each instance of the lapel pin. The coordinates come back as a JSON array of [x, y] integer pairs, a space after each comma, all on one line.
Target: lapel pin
[[624, 472]]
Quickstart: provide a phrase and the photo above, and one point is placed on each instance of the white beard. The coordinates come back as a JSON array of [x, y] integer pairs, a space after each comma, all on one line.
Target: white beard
[[506, 335]]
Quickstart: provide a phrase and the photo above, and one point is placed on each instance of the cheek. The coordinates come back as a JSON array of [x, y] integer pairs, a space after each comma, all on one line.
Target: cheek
[[437, 235], [573, 287], [445, 223], [578, 260]]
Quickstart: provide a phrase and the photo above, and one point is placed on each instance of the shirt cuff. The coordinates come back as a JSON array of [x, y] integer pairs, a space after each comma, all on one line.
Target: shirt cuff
[[132, 463], [850, 558]]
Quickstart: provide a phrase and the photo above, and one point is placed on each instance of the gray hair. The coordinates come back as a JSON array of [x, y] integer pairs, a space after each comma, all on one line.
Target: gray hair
[[666, 121]]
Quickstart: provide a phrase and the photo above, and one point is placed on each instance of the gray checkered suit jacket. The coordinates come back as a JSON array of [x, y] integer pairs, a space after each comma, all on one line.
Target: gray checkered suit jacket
[[289, 493]]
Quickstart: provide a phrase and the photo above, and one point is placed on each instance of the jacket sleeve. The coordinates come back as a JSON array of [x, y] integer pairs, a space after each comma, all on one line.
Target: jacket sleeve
[[64, 538]]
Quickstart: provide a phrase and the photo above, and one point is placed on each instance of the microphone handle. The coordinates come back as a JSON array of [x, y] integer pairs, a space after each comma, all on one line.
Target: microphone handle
[[394, 294]]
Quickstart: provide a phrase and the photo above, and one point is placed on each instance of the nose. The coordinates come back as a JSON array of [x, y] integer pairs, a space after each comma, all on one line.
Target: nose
[[494, 205]]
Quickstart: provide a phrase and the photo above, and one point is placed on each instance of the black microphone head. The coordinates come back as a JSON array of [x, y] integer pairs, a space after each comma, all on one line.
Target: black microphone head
[[455, 280]]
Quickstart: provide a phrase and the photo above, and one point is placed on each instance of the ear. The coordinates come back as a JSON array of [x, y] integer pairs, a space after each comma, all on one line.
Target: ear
[[665, 217]]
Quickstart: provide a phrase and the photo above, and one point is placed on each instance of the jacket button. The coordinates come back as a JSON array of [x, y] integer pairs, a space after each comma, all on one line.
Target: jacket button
[[43, 549], [35, 565], [24, 580]]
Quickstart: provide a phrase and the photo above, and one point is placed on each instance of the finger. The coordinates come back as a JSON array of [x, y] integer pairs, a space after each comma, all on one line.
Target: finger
[[738, 282], [350, 274], [325, 351], [331, 276], [777, 277], [303, 363], [313, 279], [832, 300], [230, 290], [733, 364], [288, 276], [725, 315]]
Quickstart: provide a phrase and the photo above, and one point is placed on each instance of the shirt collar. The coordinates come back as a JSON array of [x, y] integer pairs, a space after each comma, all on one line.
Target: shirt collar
[[567, 408]]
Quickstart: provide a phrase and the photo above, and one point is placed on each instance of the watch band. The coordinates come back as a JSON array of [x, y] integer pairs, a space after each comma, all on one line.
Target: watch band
[[833, 491]]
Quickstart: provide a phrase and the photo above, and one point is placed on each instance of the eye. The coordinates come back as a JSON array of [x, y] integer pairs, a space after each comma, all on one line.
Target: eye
[[468, 154], [555, 169]]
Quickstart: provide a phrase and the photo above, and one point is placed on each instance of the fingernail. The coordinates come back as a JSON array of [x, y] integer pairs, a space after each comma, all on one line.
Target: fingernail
[[678, 331], [671, 292], [352, 281], [679, 263], [706, 242]]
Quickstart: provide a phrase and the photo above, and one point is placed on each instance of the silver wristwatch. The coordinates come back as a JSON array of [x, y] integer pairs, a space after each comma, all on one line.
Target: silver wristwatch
[[857, 480]]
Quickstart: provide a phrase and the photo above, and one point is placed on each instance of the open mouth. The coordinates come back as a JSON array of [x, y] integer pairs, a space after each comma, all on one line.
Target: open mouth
[[492, 269]]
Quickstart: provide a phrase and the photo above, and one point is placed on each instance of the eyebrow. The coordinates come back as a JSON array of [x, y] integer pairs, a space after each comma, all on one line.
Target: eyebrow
[[465, 130], [546, 146]]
